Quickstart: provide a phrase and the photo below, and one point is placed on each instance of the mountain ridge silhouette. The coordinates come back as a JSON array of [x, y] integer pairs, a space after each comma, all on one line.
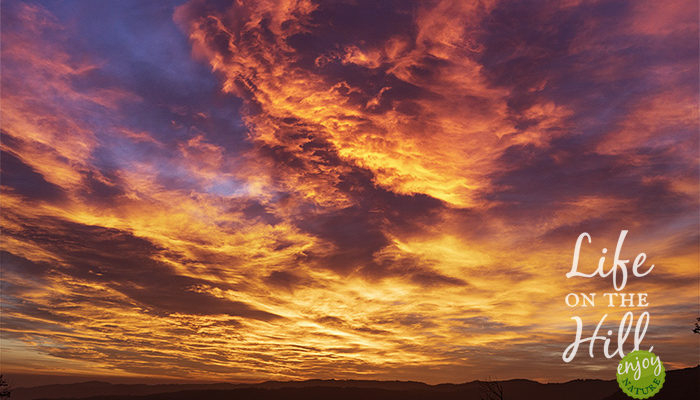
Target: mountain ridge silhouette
[[681, 382]]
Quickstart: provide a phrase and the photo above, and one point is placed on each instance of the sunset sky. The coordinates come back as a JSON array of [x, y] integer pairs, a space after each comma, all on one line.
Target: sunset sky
[[276, 190]]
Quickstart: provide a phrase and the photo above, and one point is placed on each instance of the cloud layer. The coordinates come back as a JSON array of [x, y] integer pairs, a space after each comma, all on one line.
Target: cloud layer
[[297, 189]]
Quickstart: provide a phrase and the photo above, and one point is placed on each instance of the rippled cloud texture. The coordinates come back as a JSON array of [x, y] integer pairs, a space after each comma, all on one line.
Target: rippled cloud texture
[[297, 189]]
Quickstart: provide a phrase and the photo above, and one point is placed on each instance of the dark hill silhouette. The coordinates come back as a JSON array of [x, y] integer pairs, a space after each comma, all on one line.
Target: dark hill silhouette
[[98, 388], [680, 384]]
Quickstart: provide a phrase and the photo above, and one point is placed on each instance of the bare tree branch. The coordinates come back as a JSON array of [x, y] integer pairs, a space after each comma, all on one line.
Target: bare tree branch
[[491, 390], [4, 388]]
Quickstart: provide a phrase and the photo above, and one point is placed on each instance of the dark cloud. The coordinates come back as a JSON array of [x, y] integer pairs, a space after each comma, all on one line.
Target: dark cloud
[[253, 210], [26, 181], [538, 179], [102, 188], [126, 264], [337, 322], [544, 53], [355, 233], [285, 279], [556, 50]]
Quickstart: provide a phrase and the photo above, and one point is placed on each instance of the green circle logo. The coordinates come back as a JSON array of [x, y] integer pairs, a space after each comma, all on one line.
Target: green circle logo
[[641, 374]]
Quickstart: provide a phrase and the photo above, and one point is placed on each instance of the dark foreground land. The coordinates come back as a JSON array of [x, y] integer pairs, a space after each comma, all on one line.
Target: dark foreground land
[[680, 384]]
